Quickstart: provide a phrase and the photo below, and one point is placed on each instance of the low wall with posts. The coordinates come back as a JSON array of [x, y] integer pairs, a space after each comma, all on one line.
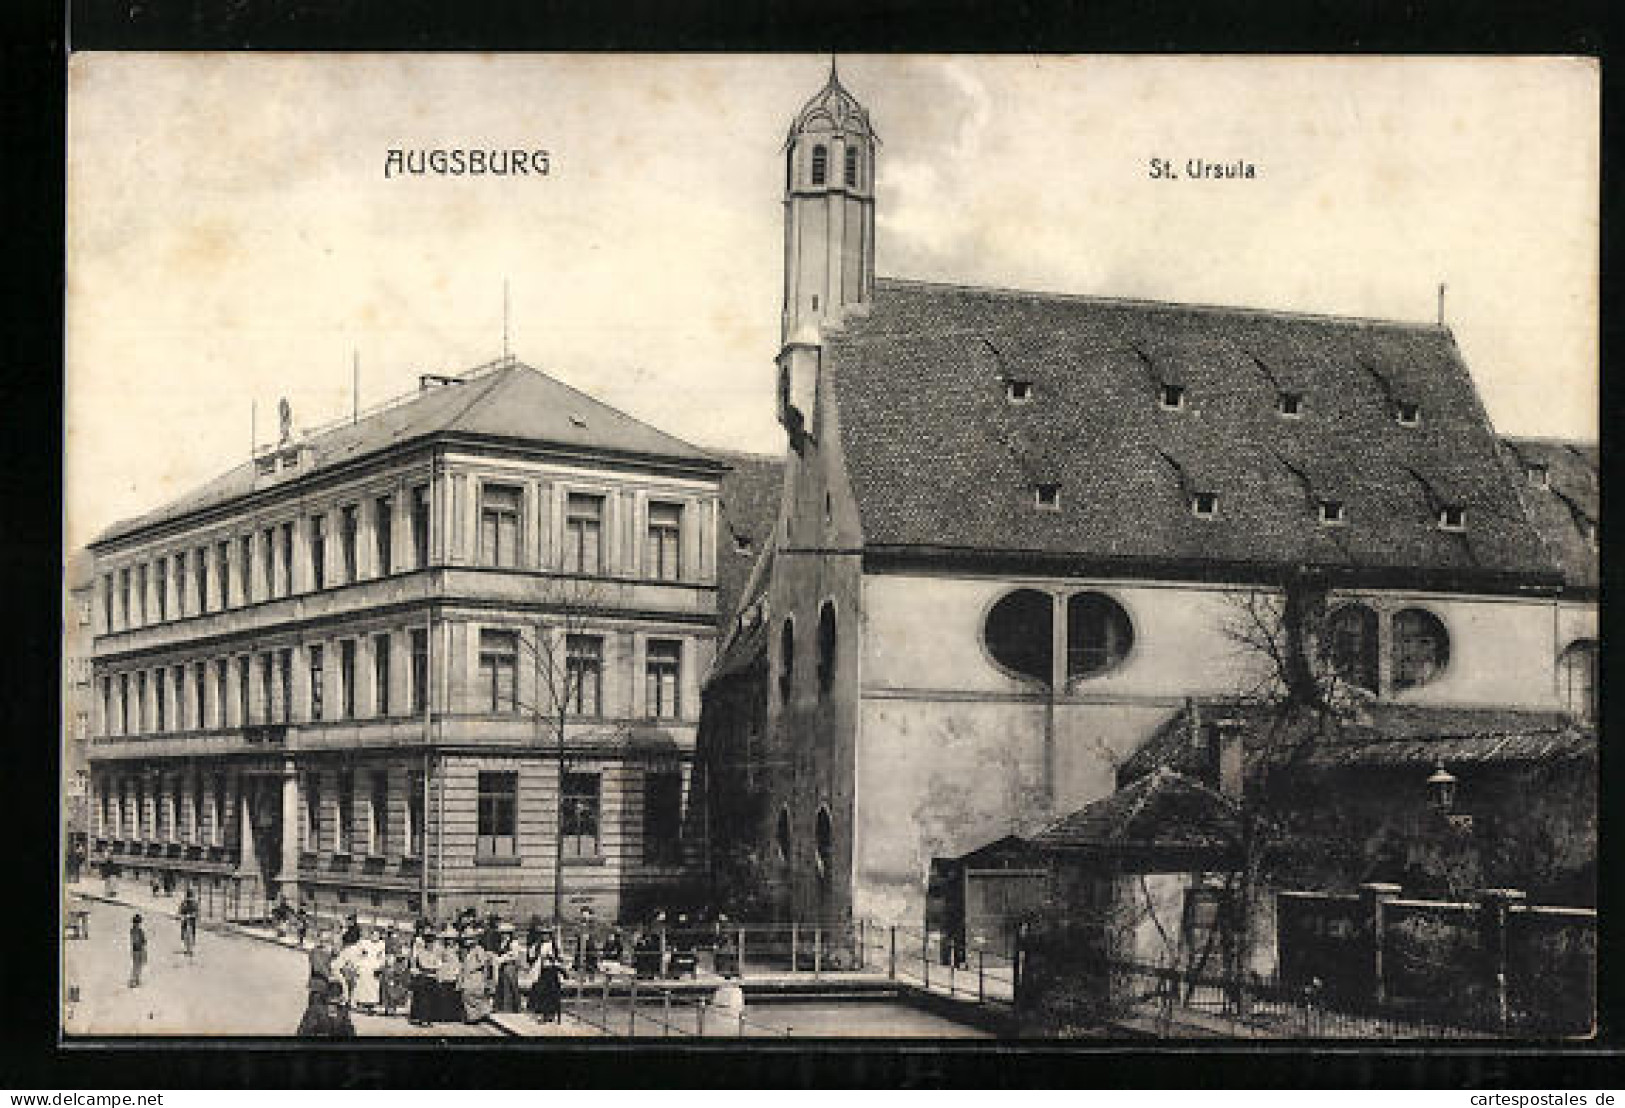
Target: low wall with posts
[[1493, 963]]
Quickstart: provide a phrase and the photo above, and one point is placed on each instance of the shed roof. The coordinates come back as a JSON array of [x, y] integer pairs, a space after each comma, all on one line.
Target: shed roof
[[1164, 809]]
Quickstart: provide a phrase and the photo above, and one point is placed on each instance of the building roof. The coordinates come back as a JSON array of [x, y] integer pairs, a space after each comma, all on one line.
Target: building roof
[[750, 508], [941, 460], [1164, 809], [1565, 508], [831, 108], [1379, 734], [505, 401]]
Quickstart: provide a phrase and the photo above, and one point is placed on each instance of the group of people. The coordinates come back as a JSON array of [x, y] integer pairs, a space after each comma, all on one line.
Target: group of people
[[459, 973]]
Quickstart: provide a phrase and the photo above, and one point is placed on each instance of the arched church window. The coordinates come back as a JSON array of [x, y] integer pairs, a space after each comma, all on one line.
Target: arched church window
[[851, 167], [1350, 647], [825, 843], [787, 659], [1098, 634], [826, 647], [1421, 648], [820, 164], [1577, 678], [1018, 633], [781, 835]]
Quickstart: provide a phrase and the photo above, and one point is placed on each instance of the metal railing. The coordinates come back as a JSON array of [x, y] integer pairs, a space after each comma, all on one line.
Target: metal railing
[[659, 1013]]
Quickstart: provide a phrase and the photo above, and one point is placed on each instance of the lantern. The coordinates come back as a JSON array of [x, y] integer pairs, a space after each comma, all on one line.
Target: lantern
[[1442, 789]]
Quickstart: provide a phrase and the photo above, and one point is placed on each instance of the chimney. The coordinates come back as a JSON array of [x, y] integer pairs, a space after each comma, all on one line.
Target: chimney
[[1226, 752]]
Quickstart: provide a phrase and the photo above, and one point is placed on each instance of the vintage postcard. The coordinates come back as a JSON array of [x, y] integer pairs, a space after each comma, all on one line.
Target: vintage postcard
[[807, 547]]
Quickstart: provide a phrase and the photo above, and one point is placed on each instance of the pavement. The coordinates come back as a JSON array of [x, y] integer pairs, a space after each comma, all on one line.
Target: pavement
[[235, 983], [247, 979]]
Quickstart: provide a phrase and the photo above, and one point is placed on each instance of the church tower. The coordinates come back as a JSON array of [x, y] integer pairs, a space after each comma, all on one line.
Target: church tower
[[829, 210]]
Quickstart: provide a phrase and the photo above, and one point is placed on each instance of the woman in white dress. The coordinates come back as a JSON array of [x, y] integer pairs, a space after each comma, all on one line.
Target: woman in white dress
[[369, 963]]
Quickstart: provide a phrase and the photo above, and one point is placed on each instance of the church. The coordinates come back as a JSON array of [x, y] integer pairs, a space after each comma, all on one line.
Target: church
[[1018, 531]]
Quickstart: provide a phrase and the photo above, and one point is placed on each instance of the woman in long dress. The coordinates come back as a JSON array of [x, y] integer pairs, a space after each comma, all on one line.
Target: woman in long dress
[[425, 964], [550, 990], [369, 963], [475, 980], [448, 1000], [507, 970]]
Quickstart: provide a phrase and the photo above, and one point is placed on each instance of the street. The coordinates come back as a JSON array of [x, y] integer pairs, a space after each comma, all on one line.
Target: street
[[233, 985]]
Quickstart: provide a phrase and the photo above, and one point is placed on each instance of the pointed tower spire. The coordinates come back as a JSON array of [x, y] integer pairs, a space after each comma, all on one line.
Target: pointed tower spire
[[829, 215]]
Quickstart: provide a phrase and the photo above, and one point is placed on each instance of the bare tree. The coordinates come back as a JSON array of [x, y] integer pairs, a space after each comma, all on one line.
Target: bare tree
[[566, 684]]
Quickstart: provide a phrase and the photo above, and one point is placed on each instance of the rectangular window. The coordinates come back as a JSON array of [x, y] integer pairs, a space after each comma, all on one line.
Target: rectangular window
[[242, 691], [270, 562], [183, 586], [222, 692], [347, 679], [267, 688], [217, 803], [499, 664], [420, 670], [107, 600], [124, 597], [420, 526], [347, 535], [499, 525], [200, 681], [312, 841], [222, 557], [318, 551], [161, 804], [124, 703], [344, 833], [383, 530], [380, 674], [107, 705], [177, 678], [414, 813], [378, 814], [141, 702], [584, 674], [662, 670], [662, 556], [286, 667], [160, 700], [315, 682], [1047, 497], [498, 815], [580, 815], [201, 557], [1172, 396], [162, 584], [662, 817], [583, 527], [141, 591], [286, 584], [245, 571]]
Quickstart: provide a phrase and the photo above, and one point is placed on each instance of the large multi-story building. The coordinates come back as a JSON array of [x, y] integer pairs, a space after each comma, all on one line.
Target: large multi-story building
[[338, 672]]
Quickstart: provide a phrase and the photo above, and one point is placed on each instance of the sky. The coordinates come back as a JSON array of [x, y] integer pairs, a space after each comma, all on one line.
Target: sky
[[233, 239]]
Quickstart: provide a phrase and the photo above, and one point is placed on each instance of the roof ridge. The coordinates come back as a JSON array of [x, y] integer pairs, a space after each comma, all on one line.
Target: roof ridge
[[1166, 305], [604, 405]]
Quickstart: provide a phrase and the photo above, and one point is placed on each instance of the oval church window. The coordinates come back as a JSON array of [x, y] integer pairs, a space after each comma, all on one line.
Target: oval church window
[[1019, 633]]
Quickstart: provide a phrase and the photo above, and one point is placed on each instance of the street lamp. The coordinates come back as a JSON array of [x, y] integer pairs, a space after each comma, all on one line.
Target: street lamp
[[1442, 789]]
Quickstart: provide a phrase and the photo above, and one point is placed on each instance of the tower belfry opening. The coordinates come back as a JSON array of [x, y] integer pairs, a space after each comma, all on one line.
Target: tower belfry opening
[[829, 214]]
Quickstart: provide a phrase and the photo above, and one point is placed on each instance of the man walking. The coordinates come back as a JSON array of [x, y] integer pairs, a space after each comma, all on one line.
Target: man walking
[[138, 951], [188, 914]]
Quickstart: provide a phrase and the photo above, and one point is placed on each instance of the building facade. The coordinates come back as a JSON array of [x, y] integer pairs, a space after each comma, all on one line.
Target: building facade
[[1019, 531], [422, 660]]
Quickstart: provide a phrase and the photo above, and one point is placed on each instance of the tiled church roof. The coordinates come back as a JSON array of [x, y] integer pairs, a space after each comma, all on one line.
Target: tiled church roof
[[509, 402], [940, 459], [750, 508], [1566, 508]]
